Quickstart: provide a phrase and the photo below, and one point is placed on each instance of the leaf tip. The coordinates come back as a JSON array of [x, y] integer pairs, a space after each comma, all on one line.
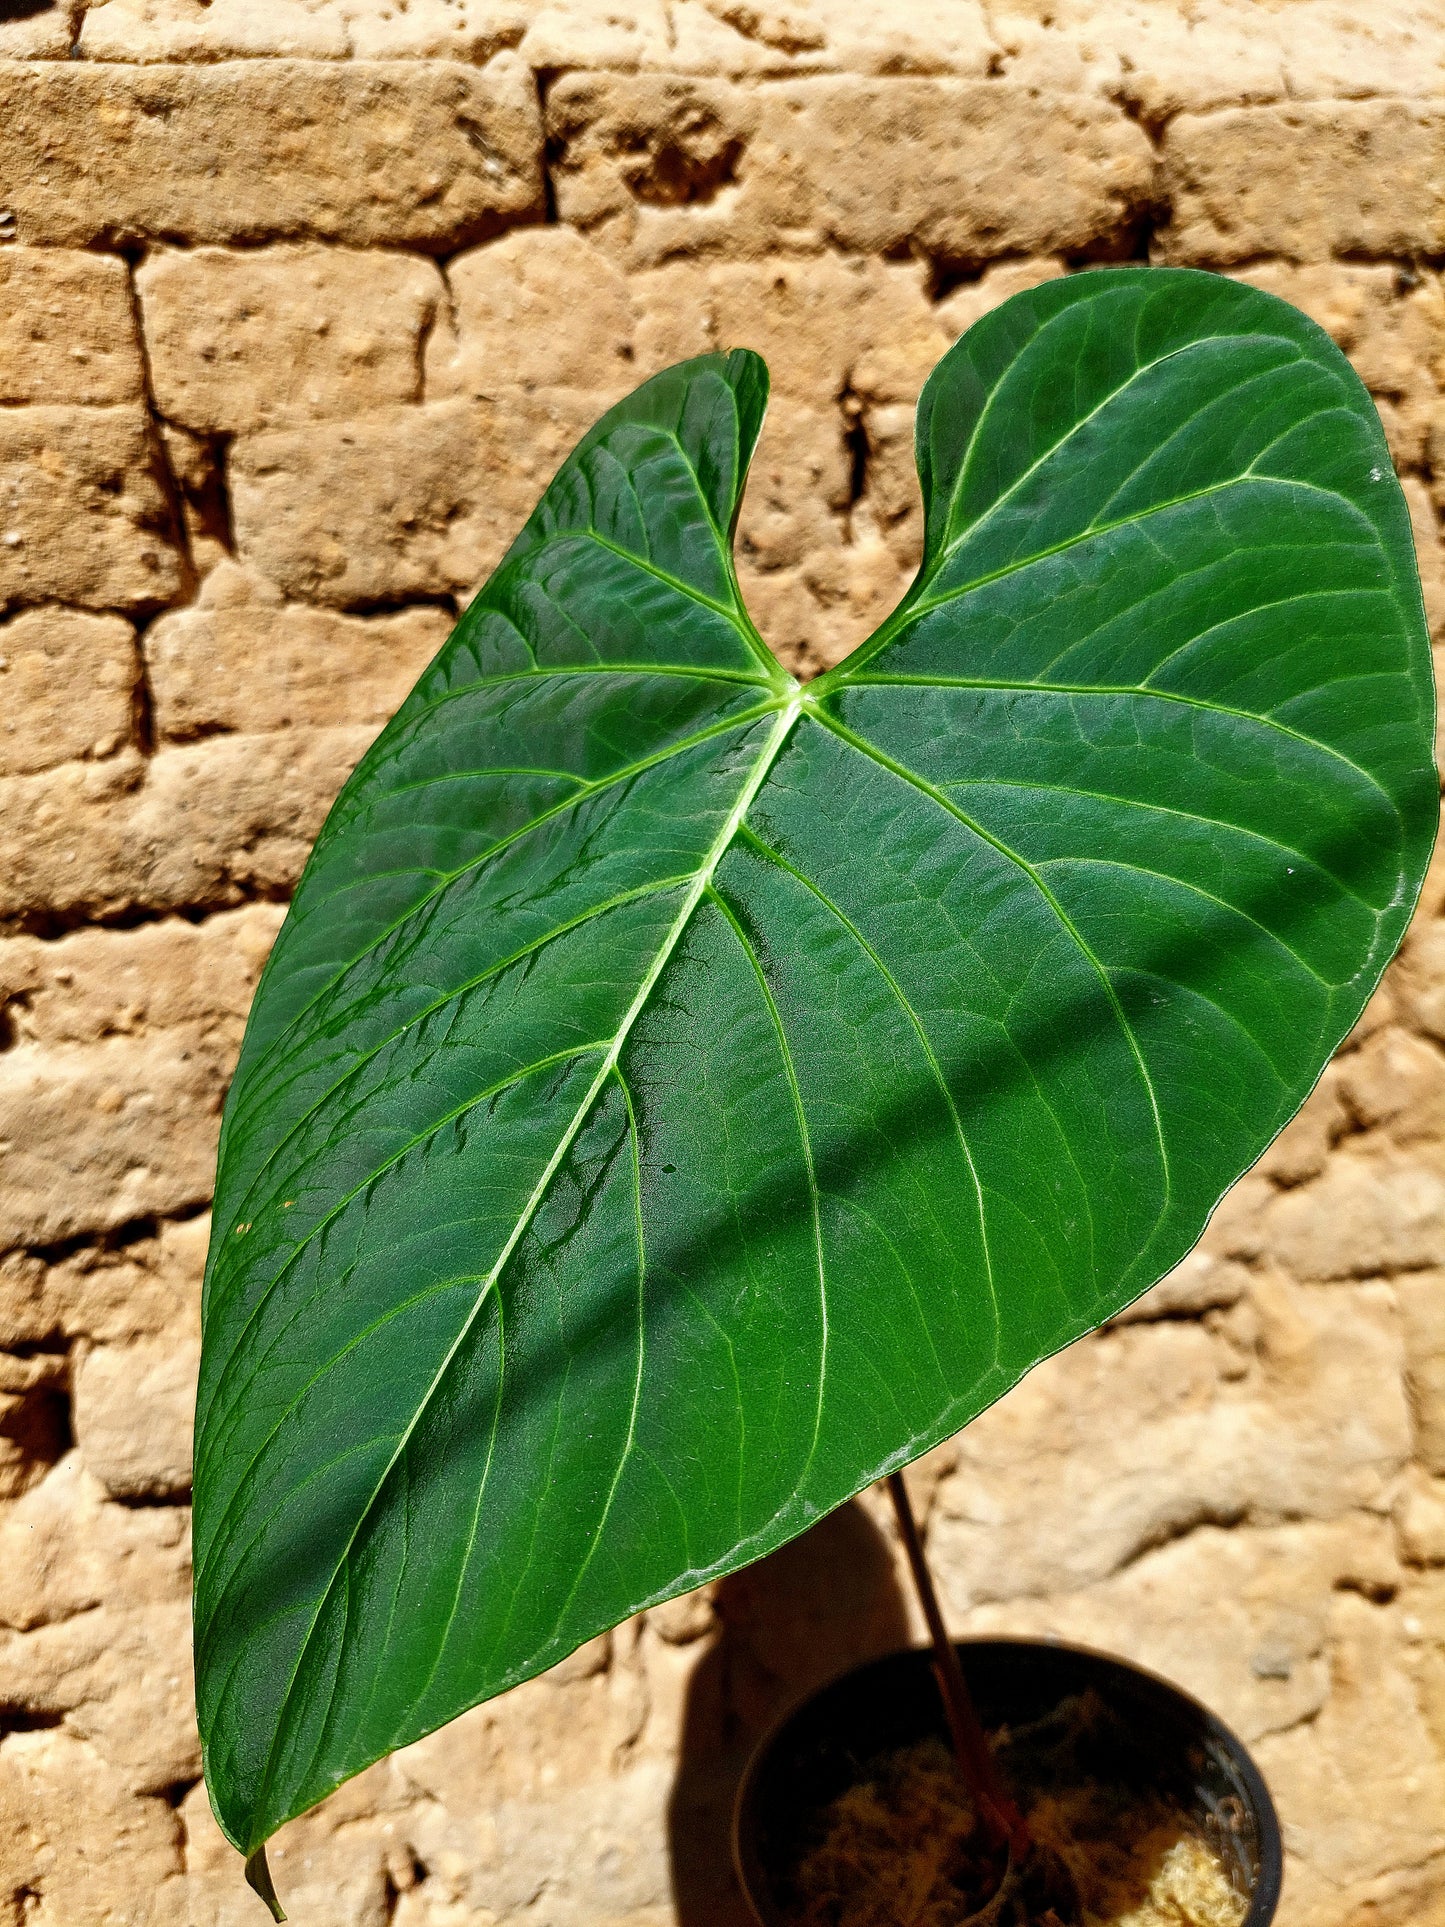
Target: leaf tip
[[258, 1877]]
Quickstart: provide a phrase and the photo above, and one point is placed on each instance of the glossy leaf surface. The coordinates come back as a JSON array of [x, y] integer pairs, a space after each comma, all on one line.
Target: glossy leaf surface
[[676, 1097]]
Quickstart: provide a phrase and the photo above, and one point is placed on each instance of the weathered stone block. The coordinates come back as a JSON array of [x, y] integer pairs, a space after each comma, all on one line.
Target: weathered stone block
[[1422, 1314], [239, 812], [893, 500], [1395, 1083], [824, 36], [34, 1419], [205, 823], [62, 836], [152, 1286], [192, 30], [65, 1548], [97, 1135], [94, 984], [1306, 181], [1420, 1519], [67, 333], [121, 1680], [67, 684], [471, 30], [1162, 60], [259, 667], [365, 152], [958, 169], [241, 339], [73, 1834], [134, 1409], [825, 326], [797, 487], [1351, 1822], [408, 502], [1289, 1404], [574, 33], [82, 514], [1265, 1663], [42, 35], [1363, 1216], [1419, 976], [517, 318], [1329, 51], [812, 615], [186, 30]]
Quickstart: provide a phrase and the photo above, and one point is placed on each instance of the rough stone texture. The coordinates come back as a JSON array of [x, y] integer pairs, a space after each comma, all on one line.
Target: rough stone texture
[[1364, 178], [243, 660], [67, 684], [204, 824], [656, 164], [175, 30], [38, 32], [84, 516], [122, 1045], [67, 328], [508, 299], [390, 153], [75, 1833], [134, 1409], [403, 502], [288, 345], [238, 341]]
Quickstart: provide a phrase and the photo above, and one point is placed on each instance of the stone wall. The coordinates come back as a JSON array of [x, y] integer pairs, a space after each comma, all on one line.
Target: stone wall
[[300, 303]]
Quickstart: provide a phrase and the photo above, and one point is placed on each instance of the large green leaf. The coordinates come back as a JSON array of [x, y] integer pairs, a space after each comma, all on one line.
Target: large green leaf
[[677, 1097]]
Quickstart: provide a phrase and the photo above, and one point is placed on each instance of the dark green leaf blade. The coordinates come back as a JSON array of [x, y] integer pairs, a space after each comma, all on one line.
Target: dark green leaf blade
[[676, 1098]]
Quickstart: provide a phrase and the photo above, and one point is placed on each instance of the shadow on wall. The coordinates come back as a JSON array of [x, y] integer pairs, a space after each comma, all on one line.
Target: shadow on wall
[[817, 1606]]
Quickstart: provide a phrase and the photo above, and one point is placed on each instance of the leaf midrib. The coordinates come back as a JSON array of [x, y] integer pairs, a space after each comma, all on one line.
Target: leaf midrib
[[586, 790], [767, 755]]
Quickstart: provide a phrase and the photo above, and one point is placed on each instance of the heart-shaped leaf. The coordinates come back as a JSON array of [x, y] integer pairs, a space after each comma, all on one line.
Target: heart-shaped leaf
[[677, 1097]]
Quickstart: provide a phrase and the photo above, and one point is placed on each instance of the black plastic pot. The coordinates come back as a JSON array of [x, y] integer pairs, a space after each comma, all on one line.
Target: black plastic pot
[[1175, 1745]]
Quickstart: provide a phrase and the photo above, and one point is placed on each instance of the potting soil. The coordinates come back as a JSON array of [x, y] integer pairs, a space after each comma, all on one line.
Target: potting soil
[[901, 1847]]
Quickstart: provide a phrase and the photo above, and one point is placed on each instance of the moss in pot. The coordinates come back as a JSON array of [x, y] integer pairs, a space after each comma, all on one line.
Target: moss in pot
[[1108, 1797], [679, 1097]]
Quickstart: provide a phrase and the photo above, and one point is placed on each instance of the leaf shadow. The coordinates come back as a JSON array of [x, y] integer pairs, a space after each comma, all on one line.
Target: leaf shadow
[[822, 1603]]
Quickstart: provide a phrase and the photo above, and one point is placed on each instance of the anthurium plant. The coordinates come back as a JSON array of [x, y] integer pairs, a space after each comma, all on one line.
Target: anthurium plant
[[679, 1096]]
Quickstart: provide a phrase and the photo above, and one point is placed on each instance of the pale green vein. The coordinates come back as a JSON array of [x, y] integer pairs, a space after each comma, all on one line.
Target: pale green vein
[[910, 613], [630, 1441], [1152, 808], [595, 788], [458, 1111], [1239, 615], [702, 884], [885, 681], [1075, 428], [1195, 889], [273, 1092], [465, 1560], [925, 1045], [925, 788], [665, 576], [800, 1113]]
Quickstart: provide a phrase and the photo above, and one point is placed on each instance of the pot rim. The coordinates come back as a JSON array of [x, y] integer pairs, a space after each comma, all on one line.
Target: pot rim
[[1264, 1895]]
